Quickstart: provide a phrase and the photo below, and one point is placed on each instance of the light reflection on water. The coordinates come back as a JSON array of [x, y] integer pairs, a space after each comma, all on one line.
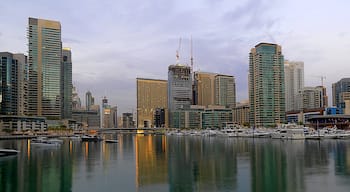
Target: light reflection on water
[[160, 163]]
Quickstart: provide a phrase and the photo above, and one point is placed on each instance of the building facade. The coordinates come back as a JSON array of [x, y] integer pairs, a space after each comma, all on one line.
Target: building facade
[[89, 100], [179, 88], [152, 94], [338, 89], [241, 114], [66, 85], [310, 98], [225, 91], [204, 88], [294, 82], [128, 120], [266, 85], [45, 56], [13, 83]]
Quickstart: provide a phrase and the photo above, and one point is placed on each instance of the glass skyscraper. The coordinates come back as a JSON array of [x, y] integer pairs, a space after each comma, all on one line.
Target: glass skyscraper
[[266, 85], [45, 56], [66, 83]]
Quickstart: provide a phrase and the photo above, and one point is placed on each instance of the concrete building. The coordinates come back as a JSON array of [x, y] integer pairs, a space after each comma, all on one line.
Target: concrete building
[[114, 117], [310, 98], [45, 56], [294, 82], [107, 119], [66, 85], [13, 83], [241, 113], [128, 120], [338, 88], [88, 118], [152, 94], [266, 85]]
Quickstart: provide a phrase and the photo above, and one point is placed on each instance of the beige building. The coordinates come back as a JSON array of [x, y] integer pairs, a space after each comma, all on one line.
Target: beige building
[[241, 113], [214, 89], [151, 95]]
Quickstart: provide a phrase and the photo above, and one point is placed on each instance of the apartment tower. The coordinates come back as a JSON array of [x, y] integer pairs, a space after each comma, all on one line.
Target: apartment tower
[[294, 82], [266, 85], [45, 56]]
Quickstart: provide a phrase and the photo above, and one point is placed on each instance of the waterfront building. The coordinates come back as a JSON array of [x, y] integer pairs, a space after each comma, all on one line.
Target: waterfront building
[[107, 117], [159, 117], [294, 82], [179, 88], [200, 117], [89, 100], [88, 118], [151, 95], [45, 56], [241, 113], [22, 123], [303, 116], [338, 88], [13, 83], [66, 85], [310, 98], [266, 85], [128, 120], [214, 89]]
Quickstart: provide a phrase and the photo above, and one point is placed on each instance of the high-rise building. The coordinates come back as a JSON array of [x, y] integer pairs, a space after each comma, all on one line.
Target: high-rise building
[[45, 56], [294, 82], [241, 113], [14, 79], [179, 88], [338, 88], [310, 98], [204, 88], [266, 85], [66, 85], [89, 100], [107, 117], [225, 90], [214, 89], [151, 95], [114, 117]]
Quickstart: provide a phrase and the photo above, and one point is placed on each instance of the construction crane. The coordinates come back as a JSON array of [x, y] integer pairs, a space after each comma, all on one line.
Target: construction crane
[[322, 78], [177, 52], [191, 56]]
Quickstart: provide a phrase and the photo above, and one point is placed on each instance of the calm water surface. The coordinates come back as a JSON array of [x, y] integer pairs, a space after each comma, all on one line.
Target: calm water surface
[[160, 163]]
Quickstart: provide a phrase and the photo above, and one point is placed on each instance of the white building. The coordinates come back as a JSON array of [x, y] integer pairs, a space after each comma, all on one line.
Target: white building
[[294, 82]]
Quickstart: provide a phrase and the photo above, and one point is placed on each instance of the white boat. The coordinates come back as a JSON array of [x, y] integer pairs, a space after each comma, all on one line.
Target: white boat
[[8, 152], [44, 142], [293, 133], [228, 132]]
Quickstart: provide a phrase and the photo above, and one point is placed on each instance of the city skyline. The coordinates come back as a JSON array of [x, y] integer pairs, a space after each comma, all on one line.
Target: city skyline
[[139, 43]]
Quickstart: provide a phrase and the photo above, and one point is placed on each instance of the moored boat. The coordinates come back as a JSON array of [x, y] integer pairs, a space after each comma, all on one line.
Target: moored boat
[[92, 138], [8, 152]]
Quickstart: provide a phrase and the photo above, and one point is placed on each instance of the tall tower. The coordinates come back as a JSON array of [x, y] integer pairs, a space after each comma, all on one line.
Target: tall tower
[[266, 85], [66, 83], [13, 82], [204, 88], [179, 88], [294, 82], [338, 89], [45, 52]]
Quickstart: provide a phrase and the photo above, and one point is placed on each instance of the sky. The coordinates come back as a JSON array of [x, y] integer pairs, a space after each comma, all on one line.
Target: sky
[[115, 41]]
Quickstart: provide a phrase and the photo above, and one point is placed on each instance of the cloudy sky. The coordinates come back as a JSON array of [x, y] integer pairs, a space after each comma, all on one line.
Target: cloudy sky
[[115, 41]]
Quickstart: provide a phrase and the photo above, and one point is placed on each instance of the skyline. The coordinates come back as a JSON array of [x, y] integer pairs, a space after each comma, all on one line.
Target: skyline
[[126, 40]]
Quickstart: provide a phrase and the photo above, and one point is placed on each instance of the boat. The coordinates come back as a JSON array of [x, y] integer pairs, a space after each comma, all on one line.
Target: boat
[[91, 138], [8, 152], [292, 133], [111, 140], [44, 142]]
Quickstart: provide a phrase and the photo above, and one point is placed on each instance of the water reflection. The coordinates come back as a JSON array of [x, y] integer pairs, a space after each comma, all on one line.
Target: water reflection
[[160, 163]]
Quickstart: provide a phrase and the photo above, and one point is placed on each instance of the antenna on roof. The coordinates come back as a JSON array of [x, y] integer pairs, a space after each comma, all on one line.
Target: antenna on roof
[[177, 52]]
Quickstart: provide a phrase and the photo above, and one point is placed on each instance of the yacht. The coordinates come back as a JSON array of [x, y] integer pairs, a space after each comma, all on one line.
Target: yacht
[[93, 138], [8, 152], [44, 142]]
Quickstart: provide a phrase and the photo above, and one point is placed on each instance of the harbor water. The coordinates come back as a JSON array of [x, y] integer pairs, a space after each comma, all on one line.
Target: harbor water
[[177, 163]]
